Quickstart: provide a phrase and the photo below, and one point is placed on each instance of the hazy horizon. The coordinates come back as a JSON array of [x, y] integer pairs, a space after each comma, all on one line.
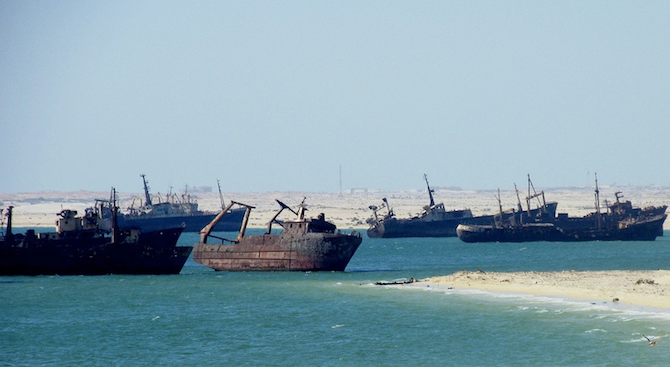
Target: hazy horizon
[[202, 189], [277, 96]]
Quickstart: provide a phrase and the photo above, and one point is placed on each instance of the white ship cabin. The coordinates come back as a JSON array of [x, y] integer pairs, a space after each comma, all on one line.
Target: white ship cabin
[[69, 222]]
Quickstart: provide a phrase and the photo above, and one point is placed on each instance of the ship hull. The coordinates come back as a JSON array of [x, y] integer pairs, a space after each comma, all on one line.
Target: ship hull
[[643, 229], [190, 223], [415, 227], [281, 252], [489, 233], [150, 253], [418, 227]]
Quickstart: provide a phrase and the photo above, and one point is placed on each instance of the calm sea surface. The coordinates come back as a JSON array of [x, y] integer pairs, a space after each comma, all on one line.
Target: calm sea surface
[[207, 318]]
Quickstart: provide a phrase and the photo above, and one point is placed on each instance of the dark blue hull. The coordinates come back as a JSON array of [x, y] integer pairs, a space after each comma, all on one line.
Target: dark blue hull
[[415, 227], [191, 223], [149, 253], [644, 229]]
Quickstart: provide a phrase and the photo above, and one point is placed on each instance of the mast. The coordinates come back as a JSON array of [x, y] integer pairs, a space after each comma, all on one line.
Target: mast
[[518, 199], [301, 209], [529, 194], [541, 204], [186, 197], [500, 209], [218, 183], [519, 207], [597, 194], [147, 197], [115, 221], [430, 192], [9, 236]]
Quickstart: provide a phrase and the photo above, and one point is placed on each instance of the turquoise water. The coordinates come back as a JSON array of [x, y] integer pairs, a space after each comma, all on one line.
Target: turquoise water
[[205, 318]]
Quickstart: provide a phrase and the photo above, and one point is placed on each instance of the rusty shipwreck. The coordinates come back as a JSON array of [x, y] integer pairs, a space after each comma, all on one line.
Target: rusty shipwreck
[[621, 222], [304, 244], [81, 247]]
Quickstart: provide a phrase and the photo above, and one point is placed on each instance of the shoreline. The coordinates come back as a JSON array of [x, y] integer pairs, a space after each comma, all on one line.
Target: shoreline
[[346, 210], [646, 288]]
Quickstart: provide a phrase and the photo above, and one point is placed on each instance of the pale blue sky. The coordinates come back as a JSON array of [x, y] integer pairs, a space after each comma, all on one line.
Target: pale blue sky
[[276, 95]]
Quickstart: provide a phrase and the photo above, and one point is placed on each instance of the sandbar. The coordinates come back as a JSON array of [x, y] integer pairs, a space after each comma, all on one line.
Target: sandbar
[[647, 288]]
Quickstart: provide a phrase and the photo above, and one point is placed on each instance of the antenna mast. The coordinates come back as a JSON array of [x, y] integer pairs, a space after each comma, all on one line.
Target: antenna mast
[[147, 197], [218, 183], [500, 209], [430, 192], [518, 199], [598, 204]]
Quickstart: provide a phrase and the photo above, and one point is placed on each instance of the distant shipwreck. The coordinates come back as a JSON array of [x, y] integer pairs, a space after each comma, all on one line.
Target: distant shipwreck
[[173, 211], [436, 221], [621, 222]]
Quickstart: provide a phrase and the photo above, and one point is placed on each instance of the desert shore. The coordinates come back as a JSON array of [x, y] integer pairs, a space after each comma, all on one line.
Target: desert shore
[[348, 210], [640, 287]]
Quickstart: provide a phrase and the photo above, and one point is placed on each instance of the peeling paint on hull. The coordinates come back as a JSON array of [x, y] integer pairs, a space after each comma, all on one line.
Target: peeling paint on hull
[[281, 252]]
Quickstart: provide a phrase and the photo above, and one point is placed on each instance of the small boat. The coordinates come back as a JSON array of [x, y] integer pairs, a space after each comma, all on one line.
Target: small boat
[[81, 247], [304, 244], [172, 212]]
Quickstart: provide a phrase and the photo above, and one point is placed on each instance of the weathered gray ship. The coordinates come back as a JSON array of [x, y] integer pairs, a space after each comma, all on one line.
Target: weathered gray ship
[[174, 211]]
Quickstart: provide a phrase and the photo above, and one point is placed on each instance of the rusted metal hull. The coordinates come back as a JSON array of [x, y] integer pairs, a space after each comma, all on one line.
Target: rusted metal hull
[[281, 252]]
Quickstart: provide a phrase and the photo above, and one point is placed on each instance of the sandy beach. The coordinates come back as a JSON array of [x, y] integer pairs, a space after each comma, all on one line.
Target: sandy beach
[[639, 288], [348, 210]]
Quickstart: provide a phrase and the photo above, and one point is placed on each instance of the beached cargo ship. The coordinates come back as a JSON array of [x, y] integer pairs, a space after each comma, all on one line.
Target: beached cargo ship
[[304, 244]]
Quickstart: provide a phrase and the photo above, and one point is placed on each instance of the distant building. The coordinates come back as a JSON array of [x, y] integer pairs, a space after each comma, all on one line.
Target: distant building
[[201, 189]]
